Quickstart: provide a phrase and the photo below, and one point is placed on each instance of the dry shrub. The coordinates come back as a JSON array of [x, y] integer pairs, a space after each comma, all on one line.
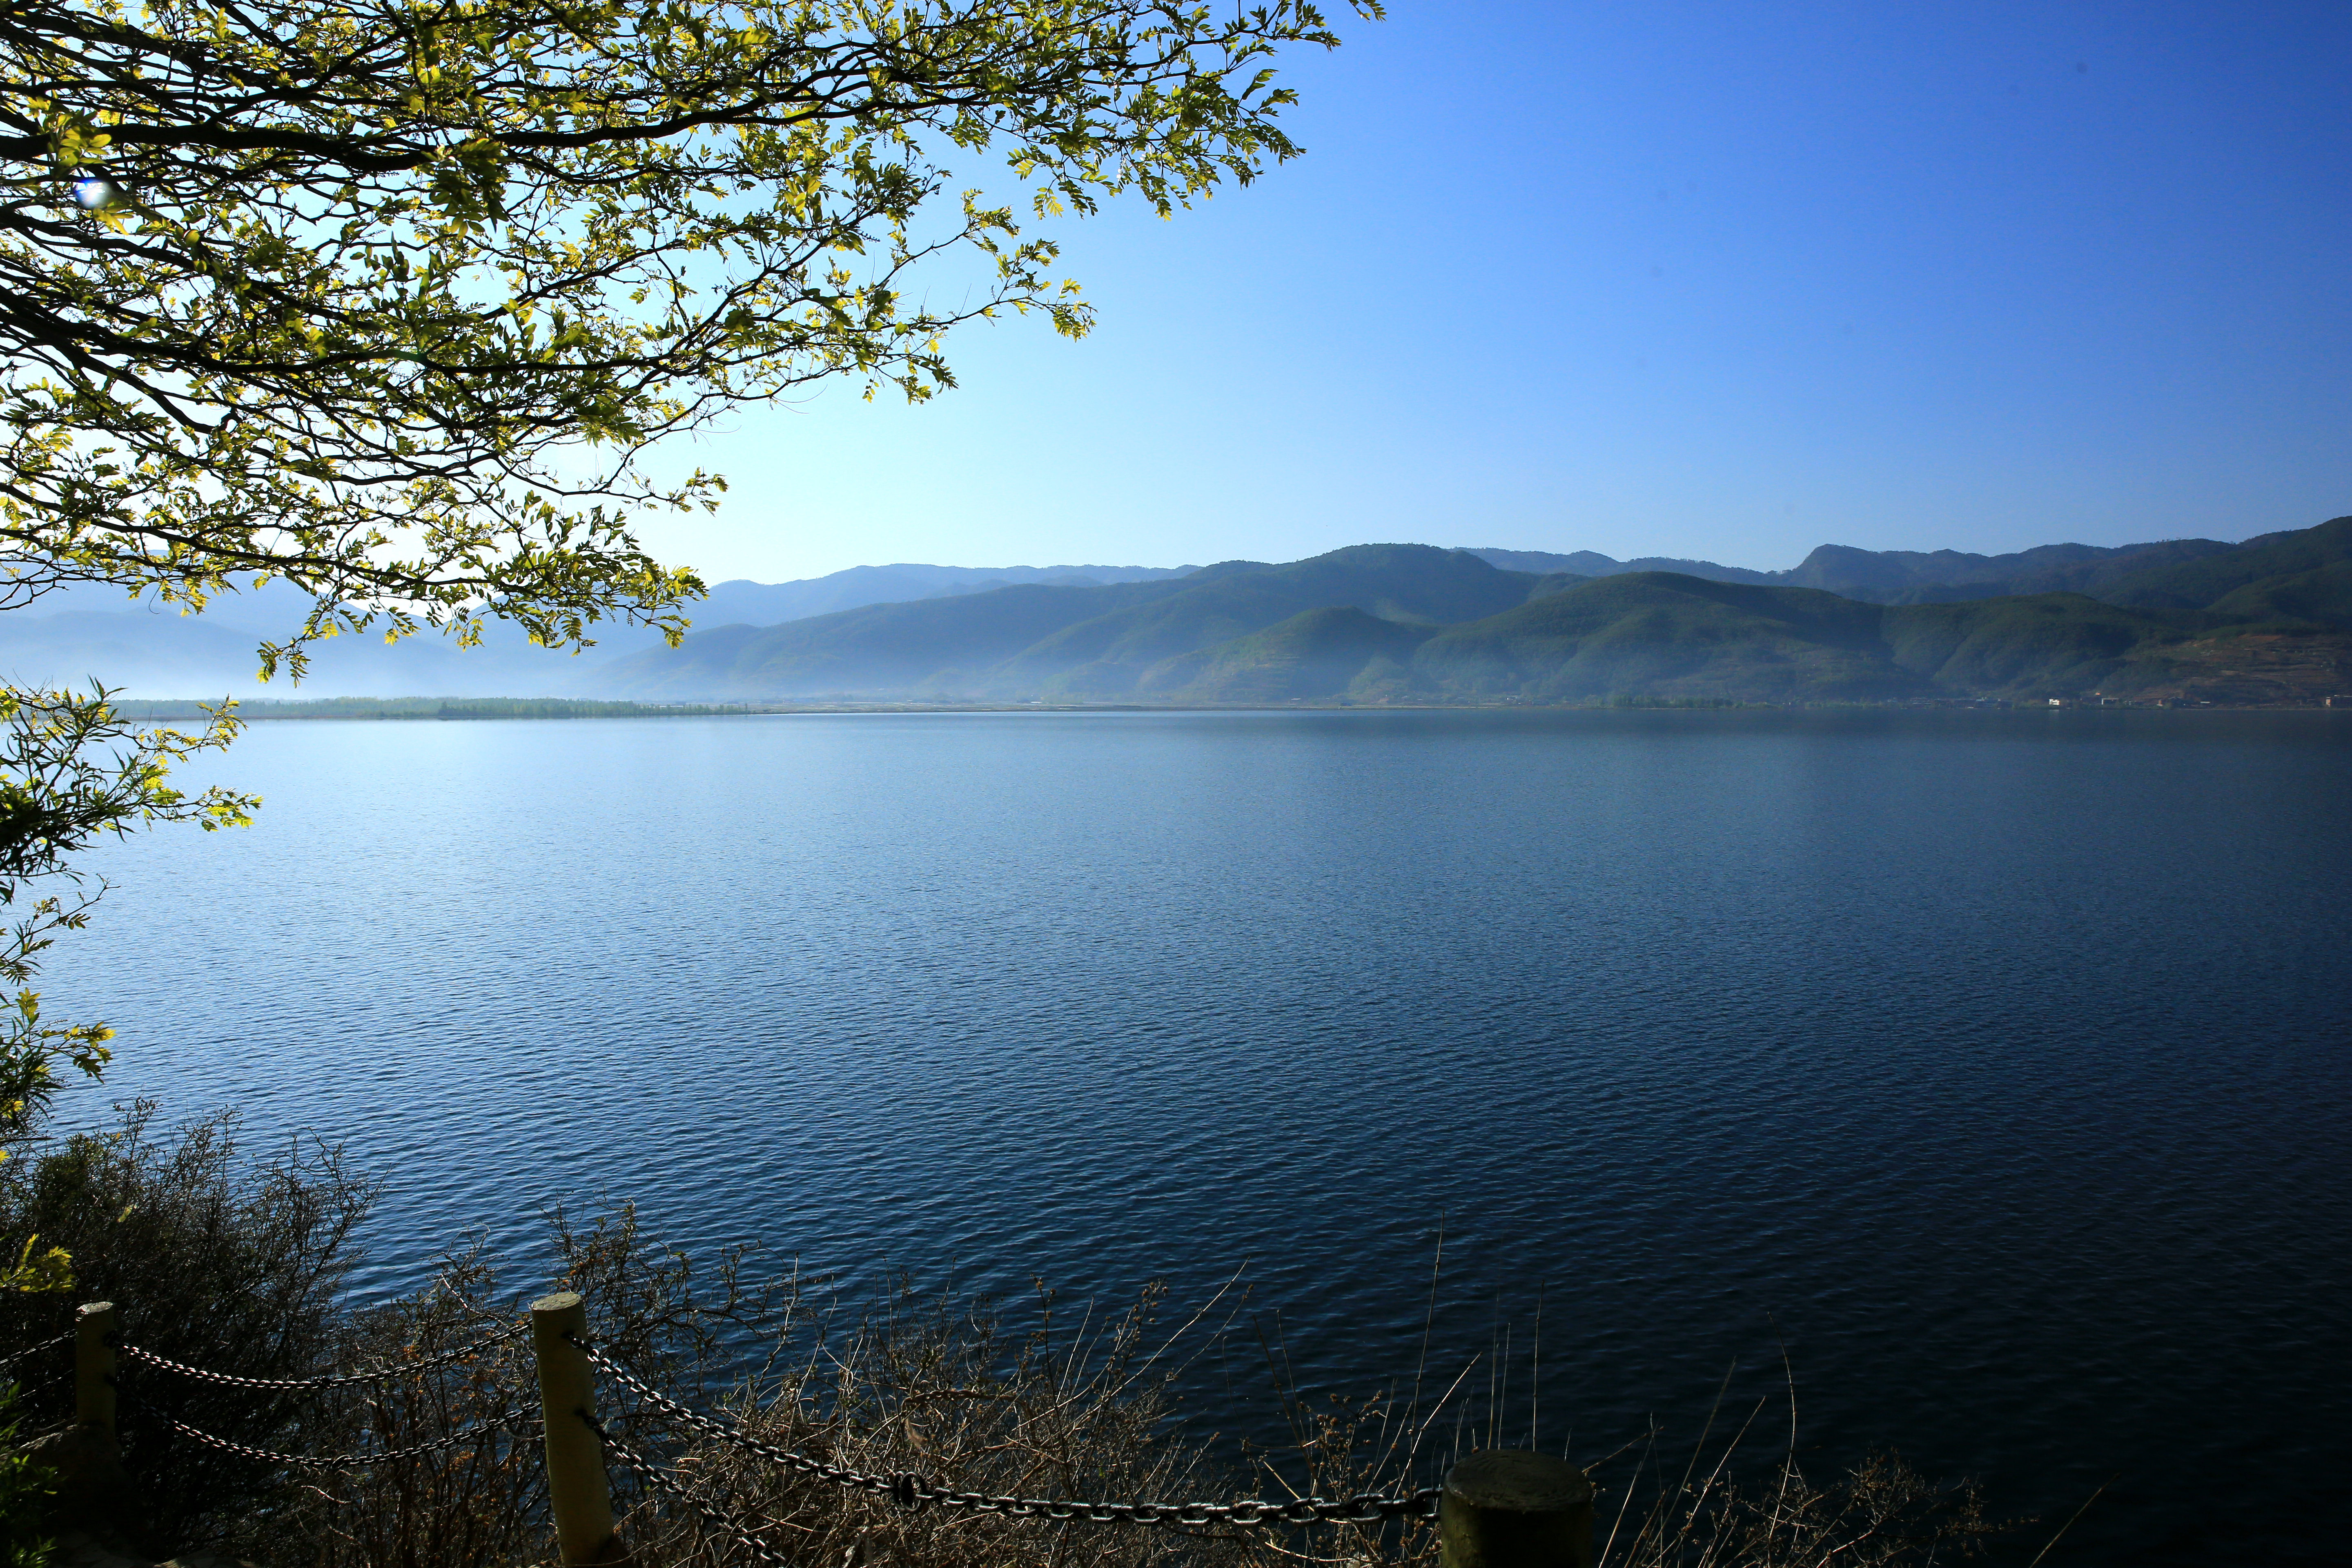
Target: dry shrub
[[922, 1383], [1724, 1506], [482, 1498], [235, 1266], [952, 1393], [1017, 1398], [1879, 1514], [211, 1257]]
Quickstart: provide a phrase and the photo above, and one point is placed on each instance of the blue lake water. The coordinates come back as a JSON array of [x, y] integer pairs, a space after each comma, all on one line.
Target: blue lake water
[[1995, 1063]]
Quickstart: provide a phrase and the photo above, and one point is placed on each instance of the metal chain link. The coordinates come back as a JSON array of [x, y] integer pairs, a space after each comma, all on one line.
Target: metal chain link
[[48, 1385], [336, 1461], [31, 1350], [912, 1491], [726, 1433], [655, 1480], [338, 1380]]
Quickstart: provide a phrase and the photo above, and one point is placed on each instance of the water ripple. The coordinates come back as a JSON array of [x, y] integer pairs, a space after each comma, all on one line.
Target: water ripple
[[1993, 1064]]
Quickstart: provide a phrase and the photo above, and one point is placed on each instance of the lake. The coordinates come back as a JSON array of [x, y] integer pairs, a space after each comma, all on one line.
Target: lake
[[1994, 1063]]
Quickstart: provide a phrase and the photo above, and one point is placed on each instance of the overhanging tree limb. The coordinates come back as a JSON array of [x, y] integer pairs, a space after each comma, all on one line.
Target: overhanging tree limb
[[73, 769], [389, 298]]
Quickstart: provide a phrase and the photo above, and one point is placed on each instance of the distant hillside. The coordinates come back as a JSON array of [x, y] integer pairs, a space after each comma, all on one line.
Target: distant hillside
[[1668, 635], [1408, 585], [1658, 634], [1092, 642], [156, 652], [2052, 569], [1313, 654], [66, 637], [907, 647], [1906, 577], [740, 601], [418, 708], [1371, 623], [1412, 623], [1591, 563], [2303, 576]]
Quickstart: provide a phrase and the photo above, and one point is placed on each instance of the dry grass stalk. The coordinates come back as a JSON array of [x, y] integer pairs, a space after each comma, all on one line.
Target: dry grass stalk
[[1019, 1398]]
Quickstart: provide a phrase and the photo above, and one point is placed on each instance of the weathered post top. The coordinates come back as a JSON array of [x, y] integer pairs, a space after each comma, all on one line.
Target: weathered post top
[[1515, 1509], [94, 1329], [577, 1493], [92, 1492]]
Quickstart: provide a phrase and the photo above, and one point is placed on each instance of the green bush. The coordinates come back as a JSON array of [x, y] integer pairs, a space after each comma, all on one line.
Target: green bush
[[26, 1484]]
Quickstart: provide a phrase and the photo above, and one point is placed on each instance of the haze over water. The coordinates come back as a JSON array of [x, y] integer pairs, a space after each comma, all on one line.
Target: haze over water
[[1994, 1062]]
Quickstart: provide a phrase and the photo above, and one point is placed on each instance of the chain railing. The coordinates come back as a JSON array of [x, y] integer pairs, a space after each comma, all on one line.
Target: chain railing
[[45, 1387], [332, 1379], [1526, 1487], [285, 1385], [913, 1492], [8, 1363], [665, 1483], [334, 1461]]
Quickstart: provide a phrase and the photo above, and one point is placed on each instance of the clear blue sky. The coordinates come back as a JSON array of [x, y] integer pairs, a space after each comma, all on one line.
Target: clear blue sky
[[1724, 280]]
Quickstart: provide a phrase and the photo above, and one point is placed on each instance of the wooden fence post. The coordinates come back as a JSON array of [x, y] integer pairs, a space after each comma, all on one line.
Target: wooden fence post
[[577, 1491], [94, 1338], [93, 1492], [1514, 1509]]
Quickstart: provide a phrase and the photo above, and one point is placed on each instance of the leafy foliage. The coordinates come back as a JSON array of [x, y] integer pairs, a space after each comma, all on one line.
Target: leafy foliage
[[26, 1486], [389, 298], [72, 769]]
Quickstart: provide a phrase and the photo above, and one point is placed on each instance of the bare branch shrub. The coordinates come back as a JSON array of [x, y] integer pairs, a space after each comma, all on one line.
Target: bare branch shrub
[[214, 1258], [1881, 1513], [236, 1266], [947, 1389]]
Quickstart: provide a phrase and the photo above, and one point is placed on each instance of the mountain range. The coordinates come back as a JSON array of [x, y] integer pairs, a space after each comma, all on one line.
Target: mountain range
[[1909, 576], [68, 637], [2265, 620]]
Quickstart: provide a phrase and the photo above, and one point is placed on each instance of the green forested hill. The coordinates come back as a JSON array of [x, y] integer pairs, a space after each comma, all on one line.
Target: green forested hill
[[892, 647], [2048, 571], [2270, 620], [2037, 643], [2272, 615], [1663, 634], [1096, 642], [2320, 597], [1313, 654], [1908, 576], [1408, 585], [2292, 576]]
